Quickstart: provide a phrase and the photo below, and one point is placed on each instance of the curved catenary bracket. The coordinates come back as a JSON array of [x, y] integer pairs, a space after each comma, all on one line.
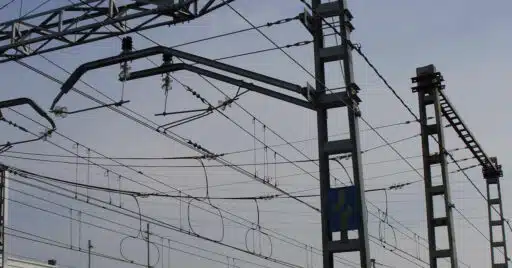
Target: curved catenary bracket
[[237, 82], [333, 100], [31, 103]]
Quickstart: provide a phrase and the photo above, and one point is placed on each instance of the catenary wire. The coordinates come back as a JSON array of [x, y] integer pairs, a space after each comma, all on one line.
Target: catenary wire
[[133, 214], [120, 224], [75, 142]]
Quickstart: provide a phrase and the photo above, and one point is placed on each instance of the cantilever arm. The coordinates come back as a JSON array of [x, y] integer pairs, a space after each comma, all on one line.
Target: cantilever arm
[[129, 56], [188, 67], [21, 101]]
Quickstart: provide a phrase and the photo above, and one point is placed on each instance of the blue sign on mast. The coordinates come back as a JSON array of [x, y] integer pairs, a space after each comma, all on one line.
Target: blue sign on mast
[[343, 209]]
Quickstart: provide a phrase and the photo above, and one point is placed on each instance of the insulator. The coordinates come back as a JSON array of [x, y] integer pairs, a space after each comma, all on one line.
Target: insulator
[[61, 112], [167, 58], [124, 74], [127, 44], [166, 82], [45, 135], [225, 103]]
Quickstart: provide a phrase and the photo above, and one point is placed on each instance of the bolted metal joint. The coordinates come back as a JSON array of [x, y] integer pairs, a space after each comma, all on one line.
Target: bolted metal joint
[[429, 82], [127, 44], [167, 58], [492, 170]]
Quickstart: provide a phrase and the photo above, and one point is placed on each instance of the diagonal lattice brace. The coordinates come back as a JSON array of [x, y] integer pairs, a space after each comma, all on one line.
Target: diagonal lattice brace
[[93, 20]]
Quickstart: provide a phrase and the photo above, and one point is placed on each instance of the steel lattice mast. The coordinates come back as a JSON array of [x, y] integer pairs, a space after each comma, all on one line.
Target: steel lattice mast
[[88, 20]]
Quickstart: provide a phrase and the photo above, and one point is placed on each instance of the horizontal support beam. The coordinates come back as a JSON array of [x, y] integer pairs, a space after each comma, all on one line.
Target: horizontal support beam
[[494, 201], [338, 147], [252, 87], [161, 50], [443, 221], [437, 190], [329, 9], [330, 54], [339, 246], [498, 244], [443, 253], [335, 100], [496, 223]]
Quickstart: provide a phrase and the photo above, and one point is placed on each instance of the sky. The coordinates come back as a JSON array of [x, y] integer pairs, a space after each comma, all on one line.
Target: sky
[[467, 41]]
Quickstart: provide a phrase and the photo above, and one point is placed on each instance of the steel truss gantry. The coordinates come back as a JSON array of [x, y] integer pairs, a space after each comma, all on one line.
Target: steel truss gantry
[[492, 172], [439, 220], [93, 20]]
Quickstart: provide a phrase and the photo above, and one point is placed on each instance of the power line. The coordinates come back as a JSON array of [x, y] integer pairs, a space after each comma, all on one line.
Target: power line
[[195, 235], [374, 239], [132, 227], [122, 225], [19, 172], [152, 220], [297, 44], [105, 156], [10, 2], [130, 193], [268, 24], [24, 173], [127, 234], [195, 158], [54, 243], [75, 142], [230, 153], [135, 215], [117, 158], [157, 166], [314, 139]]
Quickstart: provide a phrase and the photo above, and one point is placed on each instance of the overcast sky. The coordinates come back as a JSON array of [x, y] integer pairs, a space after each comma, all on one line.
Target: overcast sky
[[467, 40]]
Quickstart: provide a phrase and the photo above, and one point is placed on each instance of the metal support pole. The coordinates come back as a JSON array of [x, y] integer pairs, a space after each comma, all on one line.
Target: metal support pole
[[495, 206], [439, 224], [89, 247], [3, 214], [148, 245], [323, 55]]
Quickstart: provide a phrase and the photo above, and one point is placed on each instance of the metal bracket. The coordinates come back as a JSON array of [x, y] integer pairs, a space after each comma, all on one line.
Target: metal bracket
[[166, 67]]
